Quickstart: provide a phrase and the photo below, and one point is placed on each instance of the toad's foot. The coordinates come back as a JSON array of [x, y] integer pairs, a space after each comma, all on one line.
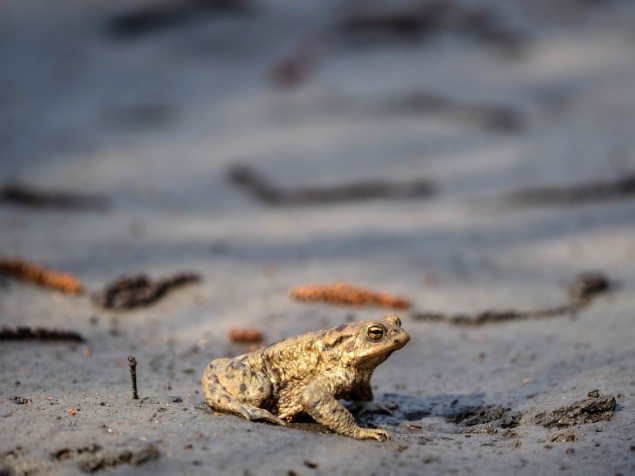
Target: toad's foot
[[259, 414], [371, 434]]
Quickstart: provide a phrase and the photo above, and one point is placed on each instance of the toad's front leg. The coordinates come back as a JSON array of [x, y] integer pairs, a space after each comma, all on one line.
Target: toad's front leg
[[325, 409]]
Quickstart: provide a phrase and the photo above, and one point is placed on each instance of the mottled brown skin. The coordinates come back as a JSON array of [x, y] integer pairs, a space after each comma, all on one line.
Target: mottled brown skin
[[307, 374]]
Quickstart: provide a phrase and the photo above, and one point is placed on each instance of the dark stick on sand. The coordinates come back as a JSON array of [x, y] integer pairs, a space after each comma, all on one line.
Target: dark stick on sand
[[132, 362]]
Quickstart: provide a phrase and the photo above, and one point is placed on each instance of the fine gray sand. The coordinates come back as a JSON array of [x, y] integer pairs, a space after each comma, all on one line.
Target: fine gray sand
[[472, 157]]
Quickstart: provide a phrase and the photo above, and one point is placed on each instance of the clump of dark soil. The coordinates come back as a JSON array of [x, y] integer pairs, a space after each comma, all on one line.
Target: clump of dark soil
[[581, 294], [574, 194], [471, 416], [587, 286], [18, 400], [22, 195], [590, 410], [131, 292], [39, 334], [266, 192]]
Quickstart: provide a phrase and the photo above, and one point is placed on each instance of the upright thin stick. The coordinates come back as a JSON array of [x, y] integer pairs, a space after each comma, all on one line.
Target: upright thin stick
[[132, 362]]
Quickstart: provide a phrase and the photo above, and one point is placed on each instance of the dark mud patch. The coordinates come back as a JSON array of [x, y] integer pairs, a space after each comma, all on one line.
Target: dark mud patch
[[29, 197], [18, 400], [422, 20], [581, 294], [39, 334], [263, 190], [71, 453], [167, 15], [562, 438], [574, 194], [415, 414], [486, 116], [93, 462], [133, 292], [590, 410], [479, 415], [466, 411]]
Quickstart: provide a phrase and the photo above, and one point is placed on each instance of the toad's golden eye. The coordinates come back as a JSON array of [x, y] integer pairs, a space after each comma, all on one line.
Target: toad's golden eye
[[375, 332]]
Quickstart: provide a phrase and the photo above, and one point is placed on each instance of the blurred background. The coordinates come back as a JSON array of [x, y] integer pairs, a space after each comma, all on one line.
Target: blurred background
[[383, 143]]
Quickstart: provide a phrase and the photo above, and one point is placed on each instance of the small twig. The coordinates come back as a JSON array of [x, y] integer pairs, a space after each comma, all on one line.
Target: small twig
[[17, 194], [578, 194], [582, 292], [132, 362], [131, 292], [267, 192]]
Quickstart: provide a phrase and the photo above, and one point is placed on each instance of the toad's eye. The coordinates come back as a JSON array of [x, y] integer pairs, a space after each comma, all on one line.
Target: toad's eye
[[398, 322], [375, 332]]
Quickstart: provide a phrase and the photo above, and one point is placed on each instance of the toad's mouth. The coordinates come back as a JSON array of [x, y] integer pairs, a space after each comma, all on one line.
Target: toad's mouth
[[400, 340]]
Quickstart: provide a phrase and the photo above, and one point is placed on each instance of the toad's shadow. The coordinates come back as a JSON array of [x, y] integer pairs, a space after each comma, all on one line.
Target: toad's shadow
[[453, 408], [467, 410], [459, 412]]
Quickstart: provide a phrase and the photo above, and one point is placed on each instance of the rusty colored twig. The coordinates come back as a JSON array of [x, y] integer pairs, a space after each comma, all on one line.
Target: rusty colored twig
[[247, 335], [347, 294], [41, 276]]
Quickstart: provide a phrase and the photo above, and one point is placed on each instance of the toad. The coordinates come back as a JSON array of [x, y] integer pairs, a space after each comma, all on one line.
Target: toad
[[307, 374]]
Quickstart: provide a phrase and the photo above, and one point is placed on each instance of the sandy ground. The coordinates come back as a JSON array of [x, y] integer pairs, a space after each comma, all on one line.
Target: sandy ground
[[152, 106]]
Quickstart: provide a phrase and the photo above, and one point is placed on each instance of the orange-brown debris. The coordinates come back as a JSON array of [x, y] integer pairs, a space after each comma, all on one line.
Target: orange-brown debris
[[41, 276], [247, 335], [348, 294]]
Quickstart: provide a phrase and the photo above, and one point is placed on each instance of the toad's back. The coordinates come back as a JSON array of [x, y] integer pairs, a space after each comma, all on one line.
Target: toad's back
[[299, 358]]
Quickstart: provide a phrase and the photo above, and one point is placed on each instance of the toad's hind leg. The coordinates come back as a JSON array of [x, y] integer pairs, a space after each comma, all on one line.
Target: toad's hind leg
[[233, 387]]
